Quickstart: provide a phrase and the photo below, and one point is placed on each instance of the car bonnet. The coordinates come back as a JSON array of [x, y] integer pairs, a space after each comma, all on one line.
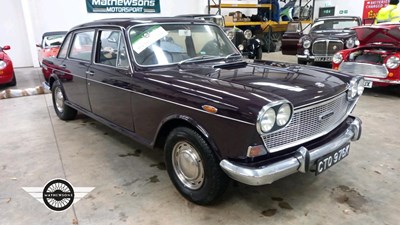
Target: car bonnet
[[382, 33]]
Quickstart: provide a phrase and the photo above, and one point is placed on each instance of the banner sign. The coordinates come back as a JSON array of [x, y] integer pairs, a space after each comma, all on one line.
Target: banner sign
[[123, 6], [372, 7]]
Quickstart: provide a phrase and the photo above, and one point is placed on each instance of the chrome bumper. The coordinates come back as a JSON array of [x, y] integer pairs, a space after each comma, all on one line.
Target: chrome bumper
[[301, 162], [377, 80]]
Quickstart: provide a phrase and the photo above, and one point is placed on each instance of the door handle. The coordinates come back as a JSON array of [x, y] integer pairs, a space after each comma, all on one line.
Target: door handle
[[63, 66], [90, 73]]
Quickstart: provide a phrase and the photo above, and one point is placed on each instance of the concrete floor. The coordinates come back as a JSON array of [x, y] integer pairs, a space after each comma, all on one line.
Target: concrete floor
[[132, 186]]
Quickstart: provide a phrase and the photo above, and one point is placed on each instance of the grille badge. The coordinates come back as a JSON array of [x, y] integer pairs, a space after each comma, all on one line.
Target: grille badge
[[325, 116], [319, 84]]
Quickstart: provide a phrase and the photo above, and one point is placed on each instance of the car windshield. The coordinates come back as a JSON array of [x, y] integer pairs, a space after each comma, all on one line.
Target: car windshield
[[335, 25], [53, 40], [165, 44]]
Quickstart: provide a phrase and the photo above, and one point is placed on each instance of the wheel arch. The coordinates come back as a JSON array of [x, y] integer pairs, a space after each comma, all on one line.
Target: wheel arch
[[174, 121]]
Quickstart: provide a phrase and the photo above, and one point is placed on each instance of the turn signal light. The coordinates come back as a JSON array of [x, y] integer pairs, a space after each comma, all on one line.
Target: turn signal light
[[254, 151], [210, 109], [391, 75]]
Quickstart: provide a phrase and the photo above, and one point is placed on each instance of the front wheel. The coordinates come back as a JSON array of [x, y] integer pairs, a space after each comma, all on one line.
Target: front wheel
[[193, 167], [301, 61], [63, 111], [13, 81], [259, 53]]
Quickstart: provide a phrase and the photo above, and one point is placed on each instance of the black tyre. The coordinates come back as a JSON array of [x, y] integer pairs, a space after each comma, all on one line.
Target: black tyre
[[259, 53], [193, 167], [301, 61], [63, 111], [14, 81]]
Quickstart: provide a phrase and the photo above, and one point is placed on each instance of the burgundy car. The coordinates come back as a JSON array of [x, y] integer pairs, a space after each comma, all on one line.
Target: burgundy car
[[377, 58], [180, 85], [7, 75]]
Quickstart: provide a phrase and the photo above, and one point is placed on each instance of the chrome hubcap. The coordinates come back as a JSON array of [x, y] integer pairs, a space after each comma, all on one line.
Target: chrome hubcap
[[59, 99], [188, 165]]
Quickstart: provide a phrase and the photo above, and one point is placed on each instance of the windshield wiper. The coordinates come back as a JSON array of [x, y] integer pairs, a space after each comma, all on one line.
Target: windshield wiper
[[233, 56], [201, 57]]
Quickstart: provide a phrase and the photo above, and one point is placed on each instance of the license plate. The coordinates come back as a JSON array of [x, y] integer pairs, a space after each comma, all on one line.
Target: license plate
[[368, 84], [331, 159], [323, 58]]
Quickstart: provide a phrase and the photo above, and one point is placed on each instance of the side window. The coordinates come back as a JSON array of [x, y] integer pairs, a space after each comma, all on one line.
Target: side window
[[111, 49], [64, 48], [82, 46]]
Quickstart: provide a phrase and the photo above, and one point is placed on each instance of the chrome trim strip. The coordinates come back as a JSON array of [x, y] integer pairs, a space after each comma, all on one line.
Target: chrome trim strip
[[320, 101], [305, 56], [300, 162]]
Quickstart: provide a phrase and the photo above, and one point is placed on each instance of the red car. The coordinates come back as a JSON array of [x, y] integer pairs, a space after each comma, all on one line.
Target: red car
[[50, 45], [377, 57], [7, 75]]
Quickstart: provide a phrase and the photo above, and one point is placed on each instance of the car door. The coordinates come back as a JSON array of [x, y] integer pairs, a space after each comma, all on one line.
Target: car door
[[76, 66], [109, 79], [291, 38]]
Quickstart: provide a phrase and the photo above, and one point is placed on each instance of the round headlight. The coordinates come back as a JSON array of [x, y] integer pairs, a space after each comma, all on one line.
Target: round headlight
[[230, 34], [2, 64], [268, 120], [350, 43], [306, 43], [393, 62], [360, 86], [353, 88], [248, 34], [284, 114], [337, 58]]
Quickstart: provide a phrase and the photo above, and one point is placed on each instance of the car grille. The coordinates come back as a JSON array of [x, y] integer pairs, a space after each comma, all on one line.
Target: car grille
[[326, 47], [309, 123], [364, 69]]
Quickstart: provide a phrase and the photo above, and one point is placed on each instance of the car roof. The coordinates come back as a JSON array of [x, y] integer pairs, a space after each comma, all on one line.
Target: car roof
[[127, 22], [337, 18], [53, 33]]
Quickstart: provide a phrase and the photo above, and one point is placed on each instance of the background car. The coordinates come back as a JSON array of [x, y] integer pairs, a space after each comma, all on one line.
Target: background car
[[377, 58], [245, 41], [7, 75], [50, 44], [327, 36]]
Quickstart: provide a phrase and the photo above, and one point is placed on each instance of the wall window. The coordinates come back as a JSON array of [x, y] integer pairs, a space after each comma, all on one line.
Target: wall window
[[112, 49], [82, 46]]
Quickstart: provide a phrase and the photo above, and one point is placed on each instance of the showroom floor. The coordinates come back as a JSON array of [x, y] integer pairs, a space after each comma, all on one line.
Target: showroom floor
[[132, 186]]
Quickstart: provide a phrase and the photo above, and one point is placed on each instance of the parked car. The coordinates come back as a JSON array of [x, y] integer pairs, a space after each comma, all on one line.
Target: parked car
[[327, 36], [50, 44], [245, 41], [180, 85], [7, 75], [377, 58]]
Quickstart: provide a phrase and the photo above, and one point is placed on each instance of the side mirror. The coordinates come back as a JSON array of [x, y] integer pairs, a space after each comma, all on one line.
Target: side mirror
[[6, 47], [38, 45]]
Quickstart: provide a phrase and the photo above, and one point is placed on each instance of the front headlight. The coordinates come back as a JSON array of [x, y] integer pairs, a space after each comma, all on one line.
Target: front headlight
[[248, 34], [360, 86], [350, 43], [356, 88], [306, 43], [2, 64], [337, 58], [393, 62], [267, 121], [230, 34], [284, 114], [274, 116]]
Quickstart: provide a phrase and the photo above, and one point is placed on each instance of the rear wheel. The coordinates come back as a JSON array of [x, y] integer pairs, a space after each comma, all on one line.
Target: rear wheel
[[193, 167], [63, 111]]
